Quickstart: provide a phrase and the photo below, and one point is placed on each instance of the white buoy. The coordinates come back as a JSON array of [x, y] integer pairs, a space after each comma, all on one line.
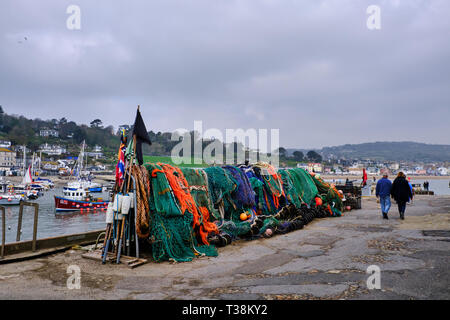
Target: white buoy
[[118, 202], [110, 213], [126, 204]]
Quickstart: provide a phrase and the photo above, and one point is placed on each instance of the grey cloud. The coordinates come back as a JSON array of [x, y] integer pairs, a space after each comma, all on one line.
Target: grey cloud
[[310, 68]]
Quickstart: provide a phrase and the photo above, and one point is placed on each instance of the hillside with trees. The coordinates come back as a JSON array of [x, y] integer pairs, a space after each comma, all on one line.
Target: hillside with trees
[[392, 151], [22, 131]]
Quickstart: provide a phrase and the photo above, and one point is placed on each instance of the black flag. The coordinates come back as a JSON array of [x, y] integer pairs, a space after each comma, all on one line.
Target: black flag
[[140, 131]]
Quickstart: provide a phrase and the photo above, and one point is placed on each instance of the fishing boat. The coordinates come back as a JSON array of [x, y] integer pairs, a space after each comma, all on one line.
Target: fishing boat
[[83, 178], [46, 183], [79, 199], [96, 187]]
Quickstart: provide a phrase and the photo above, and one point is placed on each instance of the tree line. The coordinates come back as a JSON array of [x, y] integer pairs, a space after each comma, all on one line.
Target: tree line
[[22, 131]]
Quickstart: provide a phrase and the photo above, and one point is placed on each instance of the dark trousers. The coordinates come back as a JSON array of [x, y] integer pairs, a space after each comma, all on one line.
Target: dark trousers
[[401, 206]]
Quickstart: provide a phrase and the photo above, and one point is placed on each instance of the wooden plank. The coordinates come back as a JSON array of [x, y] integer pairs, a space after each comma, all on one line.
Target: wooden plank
[[132, 261], [137, 264]]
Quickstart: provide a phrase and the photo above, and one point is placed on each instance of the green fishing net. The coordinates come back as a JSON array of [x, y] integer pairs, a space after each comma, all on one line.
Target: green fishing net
[[220, 185], [289, 188], [258, 187], [303, 183], [162, 200], [198, 186], [172, 234]]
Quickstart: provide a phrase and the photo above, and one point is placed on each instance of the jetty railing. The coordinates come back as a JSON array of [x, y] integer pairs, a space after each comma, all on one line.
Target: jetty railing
[[19, 223], [17, 251]]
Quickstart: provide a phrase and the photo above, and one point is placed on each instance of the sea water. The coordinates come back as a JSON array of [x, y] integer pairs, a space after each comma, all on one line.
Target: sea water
[[50, 223]]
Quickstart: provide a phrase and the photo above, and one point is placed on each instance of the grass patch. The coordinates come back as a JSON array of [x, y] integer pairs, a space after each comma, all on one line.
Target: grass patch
[[189, 162]]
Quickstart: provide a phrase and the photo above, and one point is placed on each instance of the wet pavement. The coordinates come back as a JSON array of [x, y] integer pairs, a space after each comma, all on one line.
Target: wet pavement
[[328, 259]]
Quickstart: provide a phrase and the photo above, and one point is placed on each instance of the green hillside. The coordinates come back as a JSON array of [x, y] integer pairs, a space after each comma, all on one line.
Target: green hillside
[[394, 151]]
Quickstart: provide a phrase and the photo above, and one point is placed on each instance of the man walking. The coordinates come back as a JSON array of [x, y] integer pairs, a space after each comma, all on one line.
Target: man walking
[[383, 192]]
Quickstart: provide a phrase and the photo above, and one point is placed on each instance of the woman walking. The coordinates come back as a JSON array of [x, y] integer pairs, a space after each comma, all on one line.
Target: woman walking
[[401, 192]]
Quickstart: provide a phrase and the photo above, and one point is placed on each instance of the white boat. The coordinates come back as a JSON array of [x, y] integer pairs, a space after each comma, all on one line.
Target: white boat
[[83, 180], [85, 184], [29, 188]]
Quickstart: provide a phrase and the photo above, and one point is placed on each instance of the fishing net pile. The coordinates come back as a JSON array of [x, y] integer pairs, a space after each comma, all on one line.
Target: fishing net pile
[[178, 227], [332, 198], [193, 211]]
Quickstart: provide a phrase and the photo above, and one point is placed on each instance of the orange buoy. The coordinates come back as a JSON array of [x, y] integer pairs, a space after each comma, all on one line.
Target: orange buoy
[[318, 202], [243, 216]]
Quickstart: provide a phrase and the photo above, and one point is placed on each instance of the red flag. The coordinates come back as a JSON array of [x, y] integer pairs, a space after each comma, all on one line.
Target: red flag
[[120, 168]]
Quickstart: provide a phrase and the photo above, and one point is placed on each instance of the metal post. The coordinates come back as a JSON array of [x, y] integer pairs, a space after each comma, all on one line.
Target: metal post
[[36, 213], [19, 223], [3, 232]]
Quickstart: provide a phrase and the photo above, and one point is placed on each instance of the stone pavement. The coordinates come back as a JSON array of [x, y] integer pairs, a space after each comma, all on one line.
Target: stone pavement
[[328, 259]]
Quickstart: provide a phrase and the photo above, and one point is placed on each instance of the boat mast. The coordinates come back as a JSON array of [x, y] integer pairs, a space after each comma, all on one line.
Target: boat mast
[[85, 168], [24, 159], [80, 161], [32, 166], [40, 159]]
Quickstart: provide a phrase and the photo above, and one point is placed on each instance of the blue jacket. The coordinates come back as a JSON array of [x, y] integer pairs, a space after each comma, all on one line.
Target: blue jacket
[[384, 186]]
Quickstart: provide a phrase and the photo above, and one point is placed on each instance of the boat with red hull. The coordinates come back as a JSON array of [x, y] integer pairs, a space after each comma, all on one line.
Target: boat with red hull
[[66, 204], [79, 199]]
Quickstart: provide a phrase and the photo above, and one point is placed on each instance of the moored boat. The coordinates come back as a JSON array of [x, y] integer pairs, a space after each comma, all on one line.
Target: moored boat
[[10, 199], [83, 178], [79, 199]]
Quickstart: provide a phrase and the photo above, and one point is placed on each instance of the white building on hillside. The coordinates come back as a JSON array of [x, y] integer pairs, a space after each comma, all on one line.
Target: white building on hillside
[[53, 150], [49, 133], [5, 144]]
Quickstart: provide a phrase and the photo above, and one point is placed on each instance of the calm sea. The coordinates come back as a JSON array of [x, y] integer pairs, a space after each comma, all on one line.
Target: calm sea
[[51, 224]]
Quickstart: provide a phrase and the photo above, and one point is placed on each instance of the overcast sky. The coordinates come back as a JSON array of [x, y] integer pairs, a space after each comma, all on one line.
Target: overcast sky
[[310, 68]]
